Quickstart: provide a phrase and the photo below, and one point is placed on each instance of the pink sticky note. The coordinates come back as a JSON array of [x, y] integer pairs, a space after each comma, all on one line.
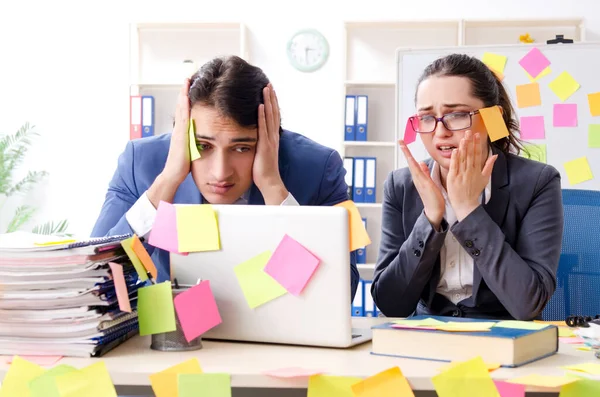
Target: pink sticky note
[[571, 340], [293, 372], [532, 127], [164, 230], [44, 361], [534, 62], [120, 287], [291, 265], [197, 310], [410, 134], [506, 389], [565, 115]]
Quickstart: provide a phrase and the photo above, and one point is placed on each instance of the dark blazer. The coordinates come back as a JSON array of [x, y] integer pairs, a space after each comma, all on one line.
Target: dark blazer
[[515, 242]]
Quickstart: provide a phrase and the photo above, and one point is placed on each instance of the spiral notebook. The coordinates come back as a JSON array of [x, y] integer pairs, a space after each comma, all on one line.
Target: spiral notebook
[[24, 244]]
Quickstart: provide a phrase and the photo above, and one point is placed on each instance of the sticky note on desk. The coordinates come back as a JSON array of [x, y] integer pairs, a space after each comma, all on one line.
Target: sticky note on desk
[[543, 380], [469, 378], [164, 230], [532, 127], [194, 152], [135, 261], [156, 313], [166, 383], [564, 86], [91, 381], [583, 387], [578, 170], [594, 103], [45, 384], [588, 368], [388, 383], [496, 62], [120, 287], [329, 386], [452, 326], [213, 385], [534, 62], [143, 256], [19, 374], [197, 228], [291, 265], [426, 322], [510, 389], [494, 123], [358, 235], [490, 366], [565, 115], [197, 310], [530, 325], [528, 95], [257, 286]]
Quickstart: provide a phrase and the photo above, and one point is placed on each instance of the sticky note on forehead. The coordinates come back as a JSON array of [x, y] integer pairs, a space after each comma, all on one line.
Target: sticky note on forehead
[[494, 123]]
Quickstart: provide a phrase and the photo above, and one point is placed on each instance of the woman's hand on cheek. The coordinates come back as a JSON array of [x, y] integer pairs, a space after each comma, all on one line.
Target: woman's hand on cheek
[[466, 178]]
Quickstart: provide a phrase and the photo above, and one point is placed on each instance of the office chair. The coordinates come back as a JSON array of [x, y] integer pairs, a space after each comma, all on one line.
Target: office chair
[[578, 279]]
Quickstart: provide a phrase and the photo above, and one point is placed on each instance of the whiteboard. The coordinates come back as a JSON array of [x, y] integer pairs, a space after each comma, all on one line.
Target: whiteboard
[[563, 144]]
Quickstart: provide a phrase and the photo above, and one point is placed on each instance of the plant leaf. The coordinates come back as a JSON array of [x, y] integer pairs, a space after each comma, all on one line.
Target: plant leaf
[[21, 216], [50, 228]]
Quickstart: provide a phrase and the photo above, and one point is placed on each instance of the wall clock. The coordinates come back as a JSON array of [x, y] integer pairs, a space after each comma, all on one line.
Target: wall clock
[[308, 50]]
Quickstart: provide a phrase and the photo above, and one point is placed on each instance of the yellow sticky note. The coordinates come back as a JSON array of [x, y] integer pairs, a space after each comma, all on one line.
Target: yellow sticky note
[[495, 62], [543, 73], [543, 380], [91, 381], [194, 153], [45, 384], [588, 368], [55, 243], [257, 286], [197, 228], [165, 383], [594, 103], [388, 383], [528, 95], [520, 325], [578, 170], [20, 373], [584, 348], [213, 385], [127, 245], [564, 332], [490, 366], [358, 234], [494, 123], [330, 386], [426, 322], [453, 326], [469, 378], [564, 86]]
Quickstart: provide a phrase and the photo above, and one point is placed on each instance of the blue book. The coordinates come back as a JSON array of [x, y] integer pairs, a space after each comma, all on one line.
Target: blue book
[[510, 347]]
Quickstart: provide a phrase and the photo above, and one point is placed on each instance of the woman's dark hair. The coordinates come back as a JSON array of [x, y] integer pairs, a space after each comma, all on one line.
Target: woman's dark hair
[[232, 86], [486, 86]]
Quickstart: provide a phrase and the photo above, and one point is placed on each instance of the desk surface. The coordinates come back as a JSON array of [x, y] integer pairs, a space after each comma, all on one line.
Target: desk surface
[[133, 362]]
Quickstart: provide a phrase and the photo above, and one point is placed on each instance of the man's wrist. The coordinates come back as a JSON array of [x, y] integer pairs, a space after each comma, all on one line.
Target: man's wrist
[[274, 194], [163, 189]]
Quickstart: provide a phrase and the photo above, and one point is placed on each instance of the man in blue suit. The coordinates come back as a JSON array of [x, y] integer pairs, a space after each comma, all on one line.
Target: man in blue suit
[[245, 158]]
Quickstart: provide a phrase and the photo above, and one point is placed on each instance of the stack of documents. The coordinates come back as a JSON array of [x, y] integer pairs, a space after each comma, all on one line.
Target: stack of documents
[[60, 297]]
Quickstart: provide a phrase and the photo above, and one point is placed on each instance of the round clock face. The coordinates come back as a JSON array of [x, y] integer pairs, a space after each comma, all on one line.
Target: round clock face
[[308, 50]]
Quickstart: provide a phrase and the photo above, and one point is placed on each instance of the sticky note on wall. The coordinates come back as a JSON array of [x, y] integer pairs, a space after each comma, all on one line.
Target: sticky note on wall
[[534, 62], [535, 152], [594, 135], [565, 115], [578, 170], [528, 95], [594, 103], [564, 86], [494, 123], [532, 127]]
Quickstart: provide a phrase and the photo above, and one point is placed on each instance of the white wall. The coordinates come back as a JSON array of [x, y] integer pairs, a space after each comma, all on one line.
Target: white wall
[[65, 69]]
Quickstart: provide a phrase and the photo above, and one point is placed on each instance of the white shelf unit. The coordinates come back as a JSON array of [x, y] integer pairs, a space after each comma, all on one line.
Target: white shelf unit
[[157, 52], [370, 52]]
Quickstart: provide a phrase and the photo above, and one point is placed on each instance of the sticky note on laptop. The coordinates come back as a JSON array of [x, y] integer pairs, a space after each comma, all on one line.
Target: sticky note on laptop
[[257, 286], [197, 228], [358, 235], [164, 231]]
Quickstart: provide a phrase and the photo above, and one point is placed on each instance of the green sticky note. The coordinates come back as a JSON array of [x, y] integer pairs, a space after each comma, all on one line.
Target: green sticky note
[[91, 381], [594, 135], [469, 378], [194, 153], [535, 151], [426, 322], [156, 312], [45, 385], [581, 388], [258, 287], [520, 325], [20, 373], [139, 268], [214, 385]]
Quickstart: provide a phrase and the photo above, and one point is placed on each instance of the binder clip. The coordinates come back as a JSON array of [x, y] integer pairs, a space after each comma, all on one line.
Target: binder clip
[[581, 321], [559, 39]]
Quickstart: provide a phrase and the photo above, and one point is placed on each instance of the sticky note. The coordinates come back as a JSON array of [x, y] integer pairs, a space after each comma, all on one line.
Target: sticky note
[[213, 385], [530, 325], [358, 235], [197, 310], [388, 383], [291, 265], [410, 135], [584, 348], [578, 170], [594, 135], [465, 326], [164, 231], [292, 372], [329, 386], [510, 389], [588, 368], [258, 287], [469, 378], [494, 123], [44, 361], [594, 103], [565, 115], [544, 72], [58, 242], [490, 366], [166, 383], [564, 86], [569, 340], [496, 62], [120, 287], [156, 313], [532, 127], [194, 153], [535, 151], [583, 387], [197, 228], [91, 381], [45, 384], [528, 95], [534, 62], [543, 380], [426, 322], [17, 378], [565, 332], [143, 256], [135, 261]]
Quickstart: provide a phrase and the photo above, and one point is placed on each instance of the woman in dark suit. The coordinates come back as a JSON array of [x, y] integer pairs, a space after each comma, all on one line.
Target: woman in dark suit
[[476, 230]]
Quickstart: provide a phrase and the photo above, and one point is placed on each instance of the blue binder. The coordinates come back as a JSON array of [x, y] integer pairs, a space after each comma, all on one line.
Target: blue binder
[[362, 117], [350, 129], [349, 177], [369, 306], [359, 180], [370, 179], [361, 253], [358, 303], [147, 116]]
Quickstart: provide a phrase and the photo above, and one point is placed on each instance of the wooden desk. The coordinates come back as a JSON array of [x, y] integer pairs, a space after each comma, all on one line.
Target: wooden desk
[[133, 362]]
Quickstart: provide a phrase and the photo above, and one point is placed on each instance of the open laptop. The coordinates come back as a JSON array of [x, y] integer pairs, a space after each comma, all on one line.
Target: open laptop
[[319, 316]]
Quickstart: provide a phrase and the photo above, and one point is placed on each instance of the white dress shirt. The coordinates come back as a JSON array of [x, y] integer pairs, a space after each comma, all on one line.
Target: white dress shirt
[[141, 215], [456, 270]]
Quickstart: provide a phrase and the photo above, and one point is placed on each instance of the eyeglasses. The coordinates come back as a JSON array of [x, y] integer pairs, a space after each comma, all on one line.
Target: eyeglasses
[[452, 121]]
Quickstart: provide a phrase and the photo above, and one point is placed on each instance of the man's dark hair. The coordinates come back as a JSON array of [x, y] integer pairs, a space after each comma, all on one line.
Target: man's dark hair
[[232, 86]]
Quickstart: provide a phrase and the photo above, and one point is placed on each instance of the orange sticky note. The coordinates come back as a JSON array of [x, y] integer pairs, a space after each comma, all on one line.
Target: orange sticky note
[[329, 386], [388, 383], [543, 380], [594, 102], [528, 95], [494, 123], [359, 237], [469, 378], [143, 256], [120, 287], [164, 383]]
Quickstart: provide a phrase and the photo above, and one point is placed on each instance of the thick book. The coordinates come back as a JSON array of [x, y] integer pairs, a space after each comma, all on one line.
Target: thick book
[[510, 347]]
